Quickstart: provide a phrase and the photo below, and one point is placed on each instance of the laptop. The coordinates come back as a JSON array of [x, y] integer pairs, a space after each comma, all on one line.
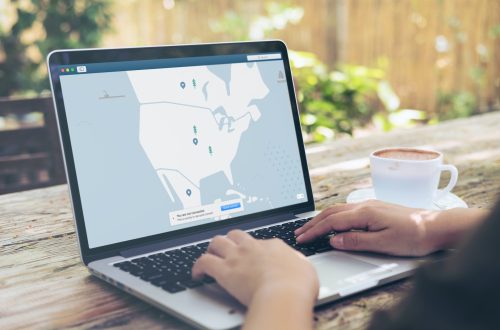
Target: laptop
[[167, 146]]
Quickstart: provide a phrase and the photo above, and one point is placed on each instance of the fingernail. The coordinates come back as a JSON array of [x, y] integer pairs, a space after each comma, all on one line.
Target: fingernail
[[298, 230], [338, 241], [300, 238]]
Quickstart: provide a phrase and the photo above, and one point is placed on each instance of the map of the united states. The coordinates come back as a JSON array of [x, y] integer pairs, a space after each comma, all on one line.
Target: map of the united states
[[191, 122]]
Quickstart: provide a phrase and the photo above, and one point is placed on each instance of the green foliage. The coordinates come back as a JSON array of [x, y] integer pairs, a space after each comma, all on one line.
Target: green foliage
[[455, 105], [495, 31], [352, 96], [333, 101], [239, 27], [459, 103], [55, 25]]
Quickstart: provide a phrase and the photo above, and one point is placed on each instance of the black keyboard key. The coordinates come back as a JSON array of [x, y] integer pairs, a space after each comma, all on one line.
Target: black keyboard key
[[130, 268], [322, 245], [173, 287], [190, 283], [286, 233], [123, 265], [136, 271], [140, 260], [254, 234], [305, 251], [161, 281], [203, 245], [156, 255], [149, 277], [184, 274], [193, 249]]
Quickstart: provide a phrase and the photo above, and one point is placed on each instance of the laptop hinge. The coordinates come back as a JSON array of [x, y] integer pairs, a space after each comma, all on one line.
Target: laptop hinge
[[127, 253]]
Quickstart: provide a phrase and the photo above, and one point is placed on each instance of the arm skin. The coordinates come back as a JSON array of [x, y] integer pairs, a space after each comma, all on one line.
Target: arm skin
[[446, 229], [280, 308]]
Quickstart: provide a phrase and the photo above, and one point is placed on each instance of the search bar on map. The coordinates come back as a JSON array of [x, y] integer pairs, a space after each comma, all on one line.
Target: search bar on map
[[263, 57]]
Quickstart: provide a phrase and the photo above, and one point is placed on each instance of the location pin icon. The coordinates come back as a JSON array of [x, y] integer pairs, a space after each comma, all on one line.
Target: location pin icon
[[183, 84], [188, 192], [195, 141]]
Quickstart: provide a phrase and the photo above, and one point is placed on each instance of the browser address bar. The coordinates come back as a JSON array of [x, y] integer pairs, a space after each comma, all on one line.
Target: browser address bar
[[263, 57]]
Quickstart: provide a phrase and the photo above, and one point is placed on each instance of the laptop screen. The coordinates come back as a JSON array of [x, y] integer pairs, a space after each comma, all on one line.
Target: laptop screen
[[162, 145]]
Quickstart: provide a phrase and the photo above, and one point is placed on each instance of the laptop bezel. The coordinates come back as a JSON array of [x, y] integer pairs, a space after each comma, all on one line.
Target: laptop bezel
[[87, 56]]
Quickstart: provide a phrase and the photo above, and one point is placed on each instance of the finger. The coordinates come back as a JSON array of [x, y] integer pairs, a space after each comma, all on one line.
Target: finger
[[323, 215], [220, 246], [326, 212], [341, 221], [208, 264], [359, 241], [239, 236]]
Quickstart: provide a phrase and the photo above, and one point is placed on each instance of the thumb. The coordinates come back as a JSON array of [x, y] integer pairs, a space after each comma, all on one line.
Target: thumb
[[357, 241]]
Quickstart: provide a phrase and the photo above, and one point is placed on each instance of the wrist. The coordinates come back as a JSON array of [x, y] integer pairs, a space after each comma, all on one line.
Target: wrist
[[432, 240], [281, 306], [288, 293], [445, 229]]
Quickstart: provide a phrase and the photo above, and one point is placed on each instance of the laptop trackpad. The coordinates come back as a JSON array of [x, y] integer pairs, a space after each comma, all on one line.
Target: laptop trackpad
[[335, 269]]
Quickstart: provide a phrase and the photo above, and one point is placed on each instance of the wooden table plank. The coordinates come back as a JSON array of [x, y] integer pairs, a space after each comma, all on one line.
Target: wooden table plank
[[44, 285]]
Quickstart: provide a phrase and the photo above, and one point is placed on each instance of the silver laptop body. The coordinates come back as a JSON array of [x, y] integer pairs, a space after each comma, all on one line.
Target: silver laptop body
[[167, 146]]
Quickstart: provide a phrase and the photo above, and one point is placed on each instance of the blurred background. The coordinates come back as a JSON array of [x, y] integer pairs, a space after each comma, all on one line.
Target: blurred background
[[360, 66]]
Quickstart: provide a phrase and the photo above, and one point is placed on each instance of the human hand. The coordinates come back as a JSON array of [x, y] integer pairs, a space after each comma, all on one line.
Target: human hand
[[380, 227], [247, 267]]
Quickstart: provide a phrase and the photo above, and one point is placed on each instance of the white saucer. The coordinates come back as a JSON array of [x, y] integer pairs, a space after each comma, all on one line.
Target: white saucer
[[449, 201]]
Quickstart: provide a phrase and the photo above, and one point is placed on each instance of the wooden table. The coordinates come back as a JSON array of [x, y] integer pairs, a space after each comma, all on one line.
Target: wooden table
[[43, 284]]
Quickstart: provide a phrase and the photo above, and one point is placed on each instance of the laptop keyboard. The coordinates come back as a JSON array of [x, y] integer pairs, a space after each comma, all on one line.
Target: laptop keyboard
[[171, 270]]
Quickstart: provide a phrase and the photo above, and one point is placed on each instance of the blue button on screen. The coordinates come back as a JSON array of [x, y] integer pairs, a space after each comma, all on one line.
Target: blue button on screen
[[230, 206]]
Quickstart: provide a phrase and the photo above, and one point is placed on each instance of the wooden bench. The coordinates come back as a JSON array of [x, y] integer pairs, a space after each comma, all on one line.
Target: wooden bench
[[30, 154]]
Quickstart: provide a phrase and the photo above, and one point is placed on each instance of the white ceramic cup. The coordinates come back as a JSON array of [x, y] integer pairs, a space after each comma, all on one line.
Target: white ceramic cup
[[410, 182]]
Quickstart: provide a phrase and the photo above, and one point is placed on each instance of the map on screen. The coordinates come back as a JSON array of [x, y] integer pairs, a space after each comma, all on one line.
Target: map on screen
[[171, 147], [206, 116]]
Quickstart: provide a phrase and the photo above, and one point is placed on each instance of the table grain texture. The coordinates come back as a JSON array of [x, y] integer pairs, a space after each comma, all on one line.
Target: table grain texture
[[44, 285]]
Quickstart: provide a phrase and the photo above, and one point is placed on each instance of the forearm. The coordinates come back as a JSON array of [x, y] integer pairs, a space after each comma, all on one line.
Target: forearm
[[277, 308], [445, 229]]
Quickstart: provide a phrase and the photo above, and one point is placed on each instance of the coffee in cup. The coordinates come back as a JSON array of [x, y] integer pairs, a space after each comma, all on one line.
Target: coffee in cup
[[409, 176], [407, 154]]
